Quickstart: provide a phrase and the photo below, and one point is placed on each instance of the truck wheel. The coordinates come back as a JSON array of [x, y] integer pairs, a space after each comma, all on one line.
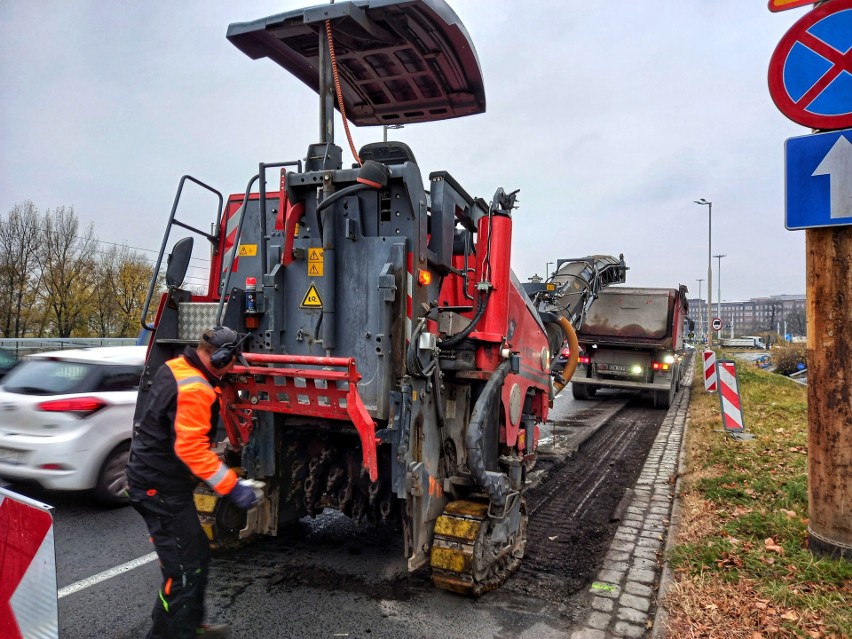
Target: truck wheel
[[580, 391], [663, 399], [112, 482], [593, 390]]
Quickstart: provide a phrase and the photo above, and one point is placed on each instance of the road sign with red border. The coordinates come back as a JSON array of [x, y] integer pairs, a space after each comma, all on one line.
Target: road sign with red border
[[716, 324], [783, 5], [810, 73]]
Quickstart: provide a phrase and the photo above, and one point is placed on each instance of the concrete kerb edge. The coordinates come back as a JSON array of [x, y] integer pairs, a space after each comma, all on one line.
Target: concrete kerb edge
[[676, 413], [659, 629]]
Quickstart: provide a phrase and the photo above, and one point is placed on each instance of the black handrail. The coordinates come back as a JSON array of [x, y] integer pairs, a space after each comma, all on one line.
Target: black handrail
[[212, 238]]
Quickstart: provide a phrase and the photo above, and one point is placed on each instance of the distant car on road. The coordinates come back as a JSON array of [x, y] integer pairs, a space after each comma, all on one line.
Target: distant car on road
[[66, 419]]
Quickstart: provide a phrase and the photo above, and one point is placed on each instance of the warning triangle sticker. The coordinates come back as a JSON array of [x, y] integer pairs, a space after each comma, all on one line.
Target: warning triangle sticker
[[312, 298]]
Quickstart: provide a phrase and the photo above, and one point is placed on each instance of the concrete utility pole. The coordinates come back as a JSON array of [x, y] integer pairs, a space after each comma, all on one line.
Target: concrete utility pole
[[709, 206], [829, 317], [700, 320], [719, 285]]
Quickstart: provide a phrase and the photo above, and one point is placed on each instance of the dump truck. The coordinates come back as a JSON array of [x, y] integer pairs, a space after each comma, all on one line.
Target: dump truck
[[632, 338], [746, 341], [398, 371]]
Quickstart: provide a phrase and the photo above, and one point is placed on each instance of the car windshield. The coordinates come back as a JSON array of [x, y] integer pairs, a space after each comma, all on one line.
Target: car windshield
[[47, 377]]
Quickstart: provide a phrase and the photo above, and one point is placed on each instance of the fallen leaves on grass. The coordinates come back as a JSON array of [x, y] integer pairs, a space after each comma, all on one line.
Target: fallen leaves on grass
[[710, 607], [771, 546]]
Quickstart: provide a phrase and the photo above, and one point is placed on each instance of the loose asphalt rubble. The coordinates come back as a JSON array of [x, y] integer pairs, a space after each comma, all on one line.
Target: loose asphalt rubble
[[625, 596]]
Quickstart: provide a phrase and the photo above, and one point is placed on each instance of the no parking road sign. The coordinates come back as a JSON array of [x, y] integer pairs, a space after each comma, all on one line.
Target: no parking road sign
[[810, 73]]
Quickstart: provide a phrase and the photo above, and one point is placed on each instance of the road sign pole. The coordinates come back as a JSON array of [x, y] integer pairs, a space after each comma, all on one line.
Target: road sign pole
[[808, 81], [829, 317]]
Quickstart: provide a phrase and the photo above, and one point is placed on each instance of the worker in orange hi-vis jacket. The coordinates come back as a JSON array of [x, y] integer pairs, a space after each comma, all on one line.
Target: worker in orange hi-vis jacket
[[170, 453]]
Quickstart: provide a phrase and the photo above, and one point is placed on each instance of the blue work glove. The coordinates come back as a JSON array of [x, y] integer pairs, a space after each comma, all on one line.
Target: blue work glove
[[243, 495]]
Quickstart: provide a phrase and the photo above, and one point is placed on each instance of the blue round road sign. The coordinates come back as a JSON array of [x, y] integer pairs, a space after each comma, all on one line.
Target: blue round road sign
[[810, 73]]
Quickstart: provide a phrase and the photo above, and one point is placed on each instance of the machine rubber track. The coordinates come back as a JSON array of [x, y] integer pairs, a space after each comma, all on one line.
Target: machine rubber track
[[464, 558]]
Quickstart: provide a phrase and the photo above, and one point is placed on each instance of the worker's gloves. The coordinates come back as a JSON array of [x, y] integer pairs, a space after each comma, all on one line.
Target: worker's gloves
[[243, 495]]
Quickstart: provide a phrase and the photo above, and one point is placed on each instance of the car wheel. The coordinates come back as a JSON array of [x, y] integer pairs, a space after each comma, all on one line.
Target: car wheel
[[112, 482]]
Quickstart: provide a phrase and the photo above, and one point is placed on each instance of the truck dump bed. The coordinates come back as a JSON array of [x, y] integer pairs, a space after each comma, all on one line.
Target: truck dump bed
[[641, 317]]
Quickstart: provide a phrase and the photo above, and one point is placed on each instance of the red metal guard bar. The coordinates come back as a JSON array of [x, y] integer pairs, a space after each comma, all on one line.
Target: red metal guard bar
[[272, 383]]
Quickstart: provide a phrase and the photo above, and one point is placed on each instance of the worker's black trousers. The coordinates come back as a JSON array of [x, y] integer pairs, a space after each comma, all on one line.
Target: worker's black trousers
[[184, 553]]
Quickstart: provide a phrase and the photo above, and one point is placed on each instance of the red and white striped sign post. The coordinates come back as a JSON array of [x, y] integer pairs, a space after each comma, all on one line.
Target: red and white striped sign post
[[28, 598], [729, 397], [710, 371]]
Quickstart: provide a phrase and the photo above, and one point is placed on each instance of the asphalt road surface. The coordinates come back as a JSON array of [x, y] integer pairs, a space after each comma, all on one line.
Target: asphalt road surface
[[327, 578]]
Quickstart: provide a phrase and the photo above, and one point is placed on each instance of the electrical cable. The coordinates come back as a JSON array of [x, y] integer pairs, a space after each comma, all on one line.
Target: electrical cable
[[339, 91]]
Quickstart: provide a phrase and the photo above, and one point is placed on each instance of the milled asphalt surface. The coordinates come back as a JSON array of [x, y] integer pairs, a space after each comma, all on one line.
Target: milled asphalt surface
[[624, 599]]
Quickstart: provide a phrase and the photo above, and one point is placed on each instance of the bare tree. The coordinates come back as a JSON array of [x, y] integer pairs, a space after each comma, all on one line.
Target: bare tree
[[124, 276], [69, 269], [105, 313], [769, 323], [797, 323], [20, 237]]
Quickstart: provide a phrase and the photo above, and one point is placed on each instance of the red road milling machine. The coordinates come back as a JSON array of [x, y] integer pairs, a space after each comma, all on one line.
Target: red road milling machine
[[398, 370]]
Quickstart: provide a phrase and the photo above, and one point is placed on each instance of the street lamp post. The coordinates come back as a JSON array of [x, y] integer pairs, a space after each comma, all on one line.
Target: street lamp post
[[709, 206], [701, 321], [719, 286]]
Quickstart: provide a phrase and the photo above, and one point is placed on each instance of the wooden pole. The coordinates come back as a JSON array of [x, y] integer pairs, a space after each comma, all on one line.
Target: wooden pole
[[829, 317]]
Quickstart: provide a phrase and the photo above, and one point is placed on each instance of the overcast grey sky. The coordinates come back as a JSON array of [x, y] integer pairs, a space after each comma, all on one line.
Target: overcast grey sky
[[611, 118]]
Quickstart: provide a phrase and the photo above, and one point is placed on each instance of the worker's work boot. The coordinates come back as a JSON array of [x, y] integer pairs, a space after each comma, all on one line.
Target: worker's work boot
[[213, 631]]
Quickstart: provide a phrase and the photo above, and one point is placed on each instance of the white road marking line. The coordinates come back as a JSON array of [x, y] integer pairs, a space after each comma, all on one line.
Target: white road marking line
[[106, 574]]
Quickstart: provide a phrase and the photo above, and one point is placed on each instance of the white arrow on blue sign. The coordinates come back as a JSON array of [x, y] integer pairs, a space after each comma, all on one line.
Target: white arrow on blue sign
[[819, 180]]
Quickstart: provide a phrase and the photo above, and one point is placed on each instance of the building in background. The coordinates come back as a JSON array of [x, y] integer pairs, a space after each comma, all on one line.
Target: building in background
[[782, 314]]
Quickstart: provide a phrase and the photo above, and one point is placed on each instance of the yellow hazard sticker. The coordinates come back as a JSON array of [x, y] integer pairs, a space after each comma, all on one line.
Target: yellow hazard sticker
[[315, 262], [312, 298], [248, 250]]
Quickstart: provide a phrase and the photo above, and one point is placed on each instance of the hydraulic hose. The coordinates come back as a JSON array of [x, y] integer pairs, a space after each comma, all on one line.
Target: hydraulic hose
[[496, 484], [455, 339], [573, 355]]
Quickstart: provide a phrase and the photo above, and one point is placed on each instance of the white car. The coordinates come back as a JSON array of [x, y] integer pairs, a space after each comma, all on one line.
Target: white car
[[66, 419]]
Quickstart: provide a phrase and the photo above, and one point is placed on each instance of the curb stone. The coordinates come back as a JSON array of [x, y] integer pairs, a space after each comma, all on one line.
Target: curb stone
[[633, 609]]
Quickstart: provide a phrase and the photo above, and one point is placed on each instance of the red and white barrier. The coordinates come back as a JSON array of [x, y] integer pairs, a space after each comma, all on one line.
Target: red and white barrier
[[28, 599], [710, 371], [729, 396]]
